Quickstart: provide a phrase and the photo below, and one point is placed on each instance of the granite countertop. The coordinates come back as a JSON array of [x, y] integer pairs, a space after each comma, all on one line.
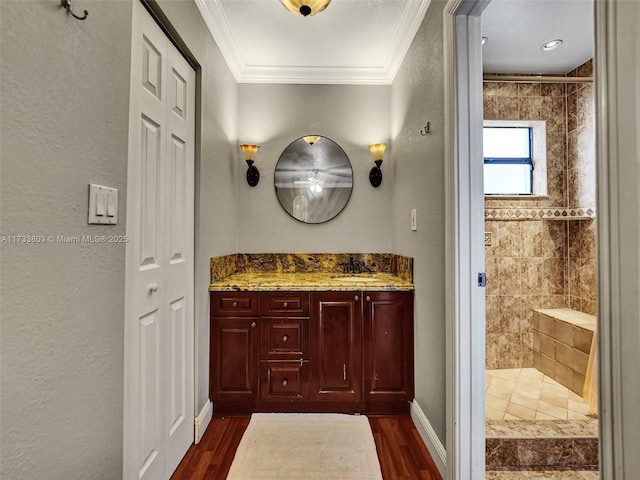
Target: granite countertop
[[311, 281]]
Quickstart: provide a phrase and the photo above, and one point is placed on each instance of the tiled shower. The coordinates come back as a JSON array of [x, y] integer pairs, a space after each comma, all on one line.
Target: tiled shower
[[541, 255]]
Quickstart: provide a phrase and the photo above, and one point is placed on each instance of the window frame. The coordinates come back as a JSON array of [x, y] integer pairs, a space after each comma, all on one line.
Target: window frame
[[537, 152]]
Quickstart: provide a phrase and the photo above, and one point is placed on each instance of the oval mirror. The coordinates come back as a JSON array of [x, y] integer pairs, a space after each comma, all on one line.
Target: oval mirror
[[313, 179]]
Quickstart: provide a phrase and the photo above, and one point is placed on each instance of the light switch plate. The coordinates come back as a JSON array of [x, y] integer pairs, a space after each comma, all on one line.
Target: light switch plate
[[414, 219], [103, 205]]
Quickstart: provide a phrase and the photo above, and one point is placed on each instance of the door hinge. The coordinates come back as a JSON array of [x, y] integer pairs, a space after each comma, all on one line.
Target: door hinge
[[482, 279]]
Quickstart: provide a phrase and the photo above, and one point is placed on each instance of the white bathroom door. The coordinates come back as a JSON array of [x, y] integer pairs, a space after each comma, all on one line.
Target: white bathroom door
[[159, 355]]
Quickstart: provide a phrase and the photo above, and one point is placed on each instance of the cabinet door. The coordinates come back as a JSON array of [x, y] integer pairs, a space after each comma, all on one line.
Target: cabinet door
[[388, 346], [234, 359], [336, 347]]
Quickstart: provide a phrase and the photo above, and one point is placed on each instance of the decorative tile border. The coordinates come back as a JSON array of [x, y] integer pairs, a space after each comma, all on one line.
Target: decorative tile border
[[549, 213], [542, 444]]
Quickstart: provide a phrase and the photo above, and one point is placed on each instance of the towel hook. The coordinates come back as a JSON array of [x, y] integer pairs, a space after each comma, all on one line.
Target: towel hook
[[426, 130], [67, 4]]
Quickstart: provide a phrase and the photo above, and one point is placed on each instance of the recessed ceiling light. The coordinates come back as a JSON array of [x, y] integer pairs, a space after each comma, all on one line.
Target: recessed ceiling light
[[551, 45], [484, 40]]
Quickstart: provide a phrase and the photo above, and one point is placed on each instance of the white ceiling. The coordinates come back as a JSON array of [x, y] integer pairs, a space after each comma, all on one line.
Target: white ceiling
[[517, 29], [365, 41], [351, 42]]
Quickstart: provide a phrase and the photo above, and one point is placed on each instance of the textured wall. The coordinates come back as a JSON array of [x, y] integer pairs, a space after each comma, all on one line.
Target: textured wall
[[354, 117], [64, 118], [418, 182], [534, 263]]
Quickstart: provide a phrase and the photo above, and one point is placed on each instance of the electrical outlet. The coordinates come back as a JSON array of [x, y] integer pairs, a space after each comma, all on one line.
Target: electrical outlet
[[487, 239], [414, 220]]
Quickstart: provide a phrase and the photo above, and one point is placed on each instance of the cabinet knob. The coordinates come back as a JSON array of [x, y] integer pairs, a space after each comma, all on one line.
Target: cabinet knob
[[153, 288], [234, 304], [356, 298], [285, 382], [368, 298], [285, 304], [285, 338], [253, 324]]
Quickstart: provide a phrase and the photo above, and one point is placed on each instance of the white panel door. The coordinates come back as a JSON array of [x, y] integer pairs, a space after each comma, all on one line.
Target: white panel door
[[159, 356]]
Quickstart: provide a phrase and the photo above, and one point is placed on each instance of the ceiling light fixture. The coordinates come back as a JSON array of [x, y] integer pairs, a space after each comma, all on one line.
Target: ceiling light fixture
[[305, 7], [484, 40], [550, 45]]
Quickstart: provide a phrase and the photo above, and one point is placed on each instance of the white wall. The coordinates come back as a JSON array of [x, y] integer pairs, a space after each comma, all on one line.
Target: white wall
[[354, 117], [64, 124], [417, 96]]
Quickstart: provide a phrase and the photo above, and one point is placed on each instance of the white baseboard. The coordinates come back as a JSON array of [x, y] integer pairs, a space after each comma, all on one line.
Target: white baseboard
[[429, 437], [202, 420]]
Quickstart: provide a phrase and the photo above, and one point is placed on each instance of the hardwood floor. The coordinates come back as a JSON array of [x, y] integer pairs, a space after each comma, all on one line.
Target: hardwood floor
[[401, 452]]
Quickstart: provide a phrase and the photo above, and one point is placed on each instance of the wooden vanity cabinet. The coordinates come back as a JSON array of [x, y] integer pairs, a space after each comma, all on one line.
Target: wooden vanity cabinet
[[311, 351], [387, 347], [234, 341], [337, 352]]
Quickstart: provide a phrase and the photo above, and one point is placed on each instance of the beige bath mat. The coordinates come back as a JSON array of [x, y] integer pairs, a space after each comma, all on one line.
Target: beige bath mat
[[302, 446]]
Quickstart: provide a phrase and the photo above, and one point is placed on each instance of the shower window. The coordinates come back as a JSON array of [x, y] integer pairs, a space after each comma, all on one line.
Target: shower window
[[508, 162], [515, 157]]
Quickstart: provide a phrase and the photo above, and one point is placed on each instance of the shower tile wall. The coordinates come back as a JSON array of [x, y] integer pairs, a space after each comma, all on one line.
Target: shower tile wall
[[581, 161], [534, 263], [525, 270]]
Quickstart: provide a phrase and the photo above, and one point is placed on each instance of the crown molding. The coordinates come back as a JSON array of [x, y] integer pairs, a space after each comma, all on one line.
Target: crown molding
[[407, 30], [217, 24], [216, 21]]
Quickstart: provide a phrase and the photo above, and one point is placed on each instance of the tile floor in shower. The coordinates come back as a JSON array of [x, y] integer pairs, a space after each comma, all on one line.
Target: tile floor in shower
[[528, 394]]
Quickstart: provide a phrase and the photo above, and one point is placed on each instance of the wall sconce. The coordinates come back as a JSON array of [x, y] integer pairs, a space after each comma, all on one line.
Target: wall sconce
[[305, 7], [375, 175], [253, 175]]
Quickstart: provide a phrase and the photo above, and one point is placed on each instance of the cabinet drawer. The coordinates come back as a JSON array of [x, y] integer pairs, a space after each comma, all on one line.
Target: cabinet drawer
[[290, 304], [236, 304], [284, 381], [284, 338]]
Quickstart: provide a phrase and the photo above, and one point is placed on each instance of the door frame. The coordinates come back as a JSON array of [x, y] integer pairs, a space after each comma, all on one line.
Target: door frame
[[618, 223], [465, 300], [616, 317]]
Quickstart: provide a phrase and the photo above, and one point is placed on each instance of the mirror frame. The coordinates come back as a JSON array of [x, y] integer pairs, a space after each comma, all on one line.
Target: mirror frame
[[299, 149]]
